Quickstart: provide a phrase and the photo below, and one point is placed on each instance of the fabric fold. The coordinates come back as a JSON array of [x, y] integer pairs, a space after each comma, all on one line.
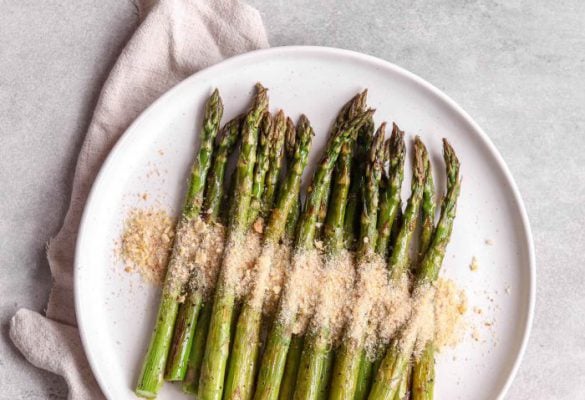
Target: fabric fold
[[174, 39]]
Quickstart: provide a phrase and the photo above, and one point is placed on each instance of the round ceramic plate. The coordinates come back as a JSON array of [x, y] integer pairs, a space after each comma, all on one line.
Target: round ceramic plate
[[116, 310]]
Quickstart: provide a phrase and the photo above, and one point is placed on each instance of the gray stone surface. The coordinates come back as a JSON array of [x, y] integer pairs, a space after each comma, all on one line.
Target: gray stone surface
[[516, 66]]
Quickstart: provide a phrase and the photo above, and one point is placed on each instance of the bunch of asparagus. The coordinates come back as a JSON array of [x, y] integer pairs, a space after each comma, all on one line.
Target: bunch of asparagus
[[218, 340]]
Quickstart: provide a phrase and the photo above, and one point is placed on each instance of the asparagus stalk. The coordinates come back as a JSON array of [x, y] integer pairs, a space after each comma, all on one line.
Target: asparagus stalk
[[214, 193], [291, 368], [353, 208], [275, 157], [316, 357], [395, 362], [274, 357], [151, 375], [347, 364], [317, 346], [347, 112], [365, 376], [262, 165], [217, 345], [391, 183], [423, 377], [289, 145], [390, 195], [293, 357], [243, 359], [289, 381]]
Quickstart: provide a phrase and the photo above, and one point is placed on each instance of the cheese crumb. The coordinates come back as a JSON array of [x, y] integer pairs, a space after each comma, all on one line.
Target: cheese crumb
[[474, 266]]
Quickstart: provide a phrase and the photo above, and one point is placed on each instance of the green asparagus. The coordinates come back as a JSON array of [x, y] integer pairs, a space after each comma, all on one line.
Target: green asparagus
[[217, 346], [423, 377], [395, 362], [317, 348], [214, 193], [347, 363], [246, 347], [274, 357], [151, 374]]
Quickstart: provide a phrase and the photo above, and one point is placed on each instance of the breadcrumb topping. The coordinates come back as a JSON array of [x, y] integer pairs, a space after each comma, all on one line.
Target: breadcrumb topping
[[301, 289], [146, 243], [240, 254], [450, 309], [278, 273], [360, 303], [207, 258], [379, 305], [334, 295]]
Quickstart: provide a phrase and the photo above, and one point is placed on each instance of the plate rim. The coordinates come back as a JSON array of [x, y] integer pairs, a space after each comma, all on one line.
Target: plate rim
[[319, 51]]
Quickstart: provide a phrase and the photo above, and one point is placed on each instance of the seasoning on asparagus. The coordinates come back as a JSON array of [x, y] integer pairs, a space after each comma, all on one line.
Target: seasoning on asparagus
[[151, 375]]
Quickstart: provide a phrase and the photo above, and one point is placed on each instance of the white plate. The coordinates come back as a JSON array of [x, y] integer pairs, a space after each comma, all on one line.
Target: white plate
[[115, 310]]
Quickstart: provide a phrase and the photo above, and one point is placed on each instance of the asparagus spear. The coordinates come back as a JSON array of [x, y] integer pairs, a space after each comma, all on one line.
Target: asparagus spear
[[274, 357], [218, 337], [347, 112], [291, 368], [423, 377], [316, 357], [289, 381], [396, 360], [293, 358], [151, 374], [353, 208], [394, 152], [289, 145], [318, 343], [186, 322], [262, 165], [390, 195], [243, 359], [365, 377], [275, 157], [347, 364], [214, 193]]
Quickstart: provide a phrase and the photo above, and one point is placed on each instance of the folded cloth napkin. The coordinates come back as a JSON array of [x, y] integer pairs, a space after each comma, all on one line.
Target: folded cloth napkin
[[174, 39]]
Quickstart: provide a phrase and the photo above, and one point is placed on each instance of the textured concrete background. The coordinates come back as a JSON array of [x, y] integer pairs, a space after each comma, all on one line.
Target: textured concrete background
[[518, 67]]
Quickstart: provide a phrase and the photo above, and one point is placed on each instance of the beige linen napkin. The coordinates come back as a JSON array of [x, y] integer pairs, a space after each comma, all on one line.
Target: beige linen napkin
[[174, 39]]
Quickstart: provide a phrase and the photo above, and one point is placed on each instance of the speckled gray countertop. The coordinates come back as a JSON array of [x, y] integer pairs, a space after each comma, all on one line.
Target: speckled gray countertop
[[518, 67]]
